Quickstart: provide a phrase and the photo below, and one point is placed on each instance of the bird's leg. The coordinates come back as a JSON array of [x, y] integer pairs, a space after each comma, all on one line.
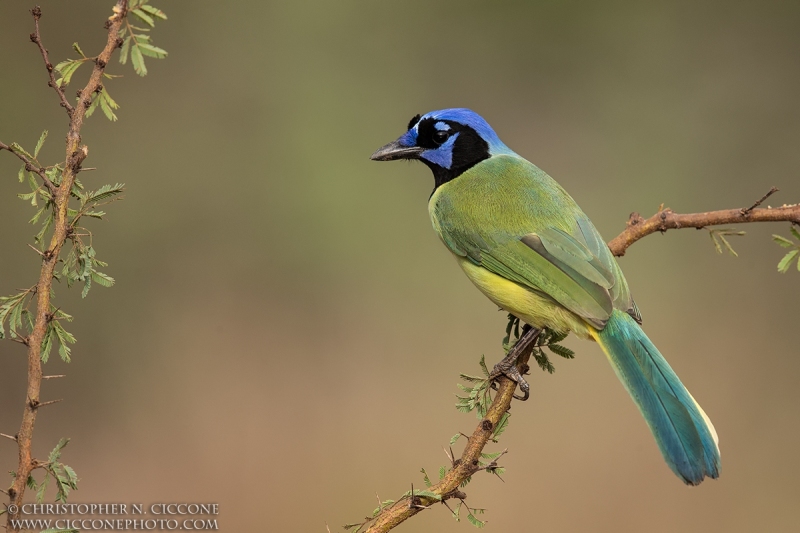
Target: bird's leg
[[508, 365]]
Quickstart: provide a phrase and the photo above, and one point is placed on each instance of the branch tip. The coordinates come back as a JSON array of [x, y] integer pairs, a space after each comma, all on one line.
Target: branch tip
[[772, 191]]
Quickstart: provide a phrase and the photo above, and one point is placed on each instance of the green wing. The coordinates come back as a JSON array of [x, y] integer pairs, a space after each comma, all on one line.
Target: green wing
[[511, 218]]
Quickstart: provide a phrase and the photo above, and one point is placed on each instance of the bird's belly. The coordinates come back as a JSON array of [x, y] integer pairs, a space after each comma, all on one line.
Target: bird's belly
[[530, 307]]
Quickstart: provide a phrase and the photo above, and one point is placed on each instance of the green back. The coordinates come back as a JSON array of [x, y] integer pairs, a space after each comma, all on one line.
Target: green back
[[510, 217]]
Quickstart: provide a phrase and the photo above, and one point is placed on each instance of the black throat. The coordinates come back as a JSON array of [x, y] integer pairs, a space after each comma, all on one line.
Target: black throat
[[468, 150]]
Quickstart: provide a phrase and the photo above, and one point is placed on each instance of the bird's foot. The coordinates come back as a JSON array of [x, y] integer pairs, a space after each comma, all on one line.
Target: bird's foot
[[508, 365], [514, 375]]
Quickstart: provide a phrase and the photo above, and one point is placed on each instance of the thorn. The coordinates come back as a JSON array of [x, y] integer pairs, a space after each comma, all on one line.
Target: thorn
[[445, 504], [449, 456], [51, 402], [380, 505], [54, 376], [35, 249], [8, 437], [328, 527], [22, 340]]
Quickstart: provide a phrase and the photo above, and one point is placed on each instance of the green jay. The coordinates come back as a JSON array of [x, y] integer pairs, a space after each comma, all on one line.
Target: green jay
[[525, 243]]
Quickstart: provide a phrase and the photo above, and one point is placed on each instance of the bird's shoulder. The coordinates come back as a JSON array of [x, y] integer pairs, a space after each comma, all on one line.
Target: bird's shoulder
[[506, 194]]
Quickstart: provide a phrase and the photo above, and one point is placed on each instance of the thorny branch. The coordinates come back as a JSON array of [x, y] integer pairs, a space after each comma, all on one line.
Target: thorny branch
[[37, 39], [637, 228], [666, 219], [463, 468], [75, 154]]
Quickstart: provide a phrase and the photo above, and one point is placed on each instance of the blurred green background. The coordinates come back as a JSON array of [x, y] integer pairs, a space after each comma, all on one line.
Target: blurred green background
[[286, 331]]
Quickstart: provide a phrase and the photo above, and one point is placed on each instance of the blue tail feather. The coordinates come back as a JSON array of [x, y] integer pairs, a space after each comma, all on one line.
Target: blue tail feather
[[684, 434]]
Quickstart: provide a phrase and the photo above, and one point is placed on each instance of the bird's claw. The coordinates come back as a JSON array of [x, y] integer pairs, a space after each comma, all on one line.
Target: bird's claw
[[508, 366], [511, 372]]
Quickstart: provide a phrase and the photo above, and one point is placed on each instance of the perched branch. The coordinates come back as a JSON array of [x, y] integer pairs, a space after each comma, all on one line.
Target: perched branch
[[463, 468], [392, 516], [666, 219], [75, 154]]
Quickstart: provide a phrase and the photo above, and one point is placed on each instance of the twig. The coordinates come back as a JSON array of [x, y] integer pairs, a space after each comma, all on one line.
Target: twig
[[36, 38], [666, 219], [772, 191], [31, 167], [75, 155], [54, 376], [8, 437]]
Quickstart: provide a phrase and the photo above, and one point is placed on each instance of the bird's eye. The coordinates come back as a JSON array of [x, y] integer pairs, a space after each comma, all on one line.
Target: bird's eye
[[440, 136]]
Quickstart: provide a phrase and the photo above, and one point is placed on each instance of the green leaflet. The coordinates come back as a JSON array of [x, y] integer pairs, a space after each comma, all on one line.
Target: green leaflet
[[786, 262], [783, 266], [718, 237], [136, 43]]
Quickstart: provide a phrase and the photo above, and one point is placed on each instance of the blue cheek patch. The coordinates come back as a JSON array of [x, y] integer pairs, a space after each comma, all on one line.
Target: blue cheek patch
[[409, 138], [442, 156]]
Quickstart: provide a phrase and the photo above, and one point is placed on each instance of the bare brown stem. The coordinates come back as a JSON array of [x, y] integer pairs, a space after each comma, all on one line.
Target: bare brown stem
[[37, 39], [666, 219], [75, 154]]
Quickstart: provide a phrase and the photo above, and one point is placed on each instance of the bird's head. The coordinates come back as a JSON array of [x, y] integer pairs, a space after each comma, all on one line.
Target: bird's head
[[449, 141]]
